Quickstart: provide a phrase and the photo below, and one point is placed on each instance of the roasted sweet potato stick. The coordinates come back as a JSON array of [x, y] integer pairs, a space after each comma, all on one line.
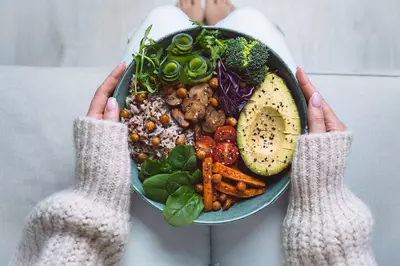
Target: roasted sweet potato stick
[[236, 175], [207, 184], [231, 190]]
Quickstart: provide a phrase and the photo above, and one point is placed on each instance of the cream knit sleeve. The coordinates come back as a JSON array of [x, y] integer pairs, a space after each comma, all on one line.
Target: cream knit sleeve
[[325, 223], [87, 224]]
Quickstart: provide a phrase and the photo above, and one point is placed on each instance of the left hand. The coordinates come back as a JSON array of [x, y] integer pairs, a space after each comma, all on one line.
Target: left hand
[[103, 106]]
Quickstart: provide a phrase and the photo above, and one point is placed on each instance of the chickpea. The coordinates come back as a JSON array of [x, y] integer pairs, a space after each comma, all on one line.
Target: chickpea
[[201, 155], [199, 188], [140, 97], [216, 206], [181, 140], [181, 93], [135, 137], [164, 119], [231, 121], [213, 101], [216, 178], [124, 113], [222, 197], [150, 126], [213, 83], [179, 85], [142, 157], [241, 186], [155, 141]]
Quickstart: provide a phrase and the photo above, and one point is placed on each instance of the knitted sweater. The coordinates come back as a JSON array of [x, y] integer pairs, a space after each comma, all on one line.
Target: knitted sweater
[[325, 223], [88, 224]]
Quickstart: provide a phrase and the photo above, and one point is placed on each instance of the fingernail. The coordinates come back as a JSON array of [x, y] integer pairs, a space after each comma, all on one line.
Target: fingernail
[[111, 103], [123, 63], [316, 100]]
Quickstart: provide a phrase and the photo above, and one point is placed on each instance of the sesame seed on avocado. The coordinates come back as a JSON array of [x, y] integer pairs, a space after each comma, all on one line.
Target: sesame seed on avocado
[[275, 118]]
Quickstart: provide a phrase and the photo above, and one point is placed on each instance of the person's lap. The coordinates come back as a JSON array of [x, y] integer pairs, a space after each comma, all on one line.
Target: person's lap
[[152, 241]]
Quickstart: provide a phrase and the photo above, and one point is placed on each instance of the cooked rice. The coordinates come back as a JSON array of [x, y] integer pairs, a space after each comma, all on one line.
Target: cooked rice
[[150, 110]]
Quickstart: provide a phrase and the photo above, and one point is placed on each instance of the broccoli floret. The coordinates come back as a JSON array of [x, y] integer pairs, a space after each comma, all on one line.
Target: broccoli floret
[[248, 58]]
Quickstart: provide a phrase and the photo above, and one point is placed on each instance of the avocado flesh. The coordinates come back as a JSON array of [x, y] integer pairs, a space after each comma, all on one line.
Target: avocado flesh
[[268, 127]]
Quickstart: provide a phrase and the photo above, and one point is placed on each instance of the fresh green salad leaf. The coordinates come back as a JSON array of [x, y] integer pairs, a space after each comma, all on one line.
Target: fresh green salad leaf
[[196, 177], [180, 155], [177, 180], [191, 164], [210, 41], [155, 187], [183, 207], [153, 167]]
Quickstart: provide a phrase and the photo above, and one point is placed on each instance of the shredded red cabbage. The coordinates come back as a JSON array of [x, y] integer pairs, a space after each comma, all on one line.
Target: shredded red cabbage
[[231, 96]]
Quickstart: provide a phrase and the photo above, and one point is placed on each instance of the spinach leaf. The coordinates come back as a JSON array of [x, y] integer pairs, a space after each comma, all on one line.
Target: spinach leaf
[[191, 164], [183, 207], [178, 179], [155, 187], [196, 177], [179, 155], [154, 167]]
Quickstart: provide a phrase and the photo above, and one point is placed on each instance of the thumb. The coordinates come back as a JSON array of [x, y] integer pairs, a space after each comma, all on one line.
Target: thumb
[[111, 112], [316, 117]]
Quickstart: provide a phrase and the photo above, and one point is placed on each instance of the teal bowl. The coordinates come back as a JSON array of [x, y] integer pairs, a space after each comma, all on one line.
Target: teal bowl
[[276, 185]]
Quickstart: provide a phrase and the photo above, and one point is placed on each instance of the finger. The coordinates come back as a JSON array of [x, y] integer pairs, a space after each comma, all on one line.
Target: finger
[[316, 118], [332, 122], [99, 101], [111, 112]]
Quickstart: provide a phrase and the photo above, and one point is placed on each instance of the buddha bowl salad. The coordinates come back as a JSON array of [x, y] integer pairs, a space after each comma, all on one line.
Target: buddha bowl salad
[[208, 122]]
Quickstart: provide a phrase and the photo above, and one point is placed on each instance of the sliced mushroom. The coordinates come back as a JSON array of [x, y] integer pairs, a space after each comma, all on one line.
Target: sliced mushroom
[[201, 93], [213, 120], [197, 131], [194, 110], [172, 99], [179, 117]]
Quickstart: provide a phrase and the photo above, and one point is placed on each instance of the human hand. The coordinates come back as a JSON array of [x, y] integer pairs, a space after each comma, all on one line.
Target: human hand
[[321, 117], [103, 106]]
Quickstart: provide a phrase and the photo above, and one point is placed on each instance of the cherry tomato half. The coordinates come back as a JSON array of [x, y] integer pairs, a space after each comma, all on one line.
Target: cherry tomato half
[[206, 144], [225, 134], [226, 153]]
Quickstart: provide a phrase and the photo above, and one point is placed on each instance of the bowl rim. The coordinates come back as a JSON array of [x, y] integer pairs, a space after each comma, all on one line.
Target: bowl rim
[[302, 102]]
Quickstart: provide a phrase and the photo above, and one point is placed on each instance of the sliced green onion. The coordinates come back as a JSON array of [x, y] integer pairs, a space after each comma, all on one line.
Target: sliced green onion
[[183, 43], [170, 71]]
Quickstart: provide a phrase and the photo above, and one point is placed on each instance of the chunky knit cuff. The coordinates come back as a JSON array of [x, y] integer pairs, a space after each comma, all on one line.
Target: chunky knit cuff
[[103, 168], [319, 164]]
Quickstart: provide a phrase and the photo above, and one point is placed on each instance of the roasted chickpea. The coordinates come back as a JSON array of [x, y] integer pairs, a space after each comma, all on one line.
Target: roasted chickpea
[[155, 141], [135, 137], [181, 93], [231, 121], [199, 188], [150, 126], [181, 140], [140, 97], [179, 85], [213, 83], [241, 186], [222, 197], [124, 113], [164, 119], [216, 206], [142, 157], [213, 101], [216, 178], [201, 155]]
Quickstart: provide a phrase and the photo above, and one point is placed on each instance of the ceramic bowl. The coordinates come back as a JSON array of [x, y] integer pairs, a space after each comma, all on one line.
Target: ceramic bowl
[[276, 185]]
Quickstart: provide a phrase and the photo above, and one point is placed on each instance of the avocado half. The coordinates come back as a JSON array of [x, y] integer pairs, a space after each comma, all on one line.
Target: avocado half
[[268, 127]]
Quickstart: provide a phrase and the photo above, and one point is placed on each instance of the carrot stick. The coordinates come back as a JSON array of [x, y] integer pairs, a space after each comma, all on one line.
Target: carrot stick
[[207, 184], [236, 175], [231, 190]]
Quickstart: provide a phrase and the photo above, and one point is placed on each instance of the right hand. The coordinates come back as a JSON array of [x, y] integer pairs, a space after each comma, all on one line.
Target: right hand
[[321, 117]]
